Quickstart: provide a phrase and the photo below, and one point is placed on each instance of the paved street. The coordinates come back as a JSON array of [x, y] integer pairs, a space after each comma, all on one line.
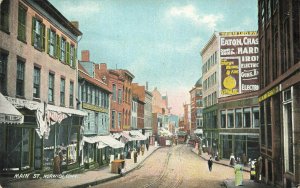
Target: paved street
[[176, 166]]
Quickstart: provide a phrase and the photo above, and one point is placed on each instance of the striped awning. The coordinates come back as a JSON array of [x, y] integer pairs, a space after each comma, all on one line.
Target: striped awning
[[8, 113]]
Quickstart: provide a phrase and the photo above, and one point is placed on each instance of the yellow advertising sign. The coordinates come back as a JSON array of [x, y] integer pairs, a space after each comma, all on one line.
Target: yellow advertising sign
[[269, 94], [94, 108], [126, 127]]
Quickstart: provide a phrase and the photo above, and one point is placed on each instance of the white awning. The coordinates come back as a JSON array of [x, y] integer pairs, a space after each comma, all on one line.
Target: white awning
[[116, 135], [111, 142], [68, 111], [165, 132], [8, 113], [103, 141], [137, 135], [126, 137]]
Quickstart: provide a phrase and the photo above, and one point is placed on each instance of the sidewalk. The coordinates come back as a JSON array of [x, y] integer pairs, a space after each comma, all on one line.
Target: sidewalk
[[85, 179], [229, 183]]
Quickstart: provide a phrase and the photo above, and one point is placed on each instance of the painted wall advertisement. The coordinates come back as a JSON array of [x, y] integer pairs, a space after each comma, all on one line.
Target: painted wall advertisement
[[239, 62]]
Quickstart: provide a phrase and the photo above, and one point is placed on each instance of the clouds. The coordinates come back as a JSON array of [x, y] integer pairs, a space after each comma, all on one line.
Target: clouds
[[83, 8], [190, 13]]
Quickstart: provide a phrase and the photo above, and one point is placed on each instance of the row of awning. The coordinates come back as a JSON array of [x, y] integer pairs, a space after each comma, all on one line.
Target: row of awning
[[104, 141]]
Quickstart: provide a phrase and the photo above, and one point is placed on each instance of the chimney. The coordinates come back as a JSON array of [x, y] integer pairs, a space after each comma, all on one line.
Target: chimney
[[85, 55], [103, 66], [75, 24], [147, 86]]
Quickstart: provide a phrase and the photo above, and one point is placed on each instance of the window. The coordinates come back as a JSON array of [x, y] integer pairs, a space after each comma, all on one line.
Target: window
[[72, 56], [4, 16], [62, 91], [113, 116], [119, 96], [20, 78], [51, 42], [38, 34], [51, 88], [238, 118], [223, 119], [269, 123], [289, 152], [83, 93], [63, 50], [71, 99], [97, 97], [22, 23], [89, 94], [3, 72], [247, 117], [114, 97], [119, 119], [230, 120], [269, 9], [255, 117], [36, 82]]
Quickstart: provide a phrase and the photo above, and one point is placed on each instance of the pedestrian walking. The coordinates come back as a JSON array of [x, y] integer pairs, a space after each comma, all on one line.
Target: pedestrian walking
[[147, 146], [232, 159], [61, 157], [135, 154], [143, 149], [210, 163]]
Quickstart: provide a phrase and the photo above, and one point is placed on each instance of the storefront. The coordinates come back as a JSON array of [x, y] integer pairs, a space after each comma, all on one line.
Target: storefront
[[46, 129]]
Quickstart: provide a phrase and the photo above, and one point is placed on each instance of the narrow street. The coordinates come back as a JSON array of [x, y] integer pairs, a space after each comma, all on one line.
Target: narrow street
[[175, 166]]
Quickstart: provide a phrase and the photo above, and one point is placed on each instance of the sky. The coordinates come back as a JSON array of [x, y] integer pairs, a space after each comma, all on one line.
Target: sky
[[158, 41]]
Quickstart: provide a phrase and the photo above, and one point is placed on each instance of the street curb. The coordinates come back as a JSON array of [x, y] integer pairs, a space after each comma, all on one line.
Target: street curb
[[93, 183]]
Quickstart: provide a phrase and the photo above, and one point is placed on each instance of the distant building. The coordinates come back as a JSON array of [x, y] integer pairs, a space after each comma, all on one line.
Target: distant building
[[196, 106], [127, 97], [148, 113]]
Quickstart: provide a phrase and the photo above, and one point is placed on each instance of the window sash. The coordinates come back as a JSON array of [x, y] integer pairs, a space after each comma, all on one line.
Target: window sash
[[4, 17], [20, 78], [63, 50], [36, 83], [62, 92], [71, 94], [51, 88]]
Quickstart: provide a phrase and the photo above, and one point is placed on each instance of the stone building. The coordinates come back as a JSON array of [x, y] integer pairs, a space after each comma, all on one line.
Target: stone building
[[38, 76], [280, 91]]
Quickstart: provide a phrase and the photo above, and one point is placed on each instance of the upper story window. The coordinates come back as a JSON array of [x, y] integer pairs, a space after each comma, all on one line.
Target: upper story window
[[22, 23], [114, 97], [119, 96], [4, 16], [38, 34], [71, 98], [63, 50], [20, 78], [36, 82], [51, 88], [113, 117], [51, 42], [62, 91], [3, 72]]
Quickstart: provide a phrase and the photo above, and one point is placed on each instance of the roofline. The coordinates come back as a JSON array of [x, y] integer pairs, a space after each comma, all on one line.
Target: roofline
[[214, 35], [57, 15]]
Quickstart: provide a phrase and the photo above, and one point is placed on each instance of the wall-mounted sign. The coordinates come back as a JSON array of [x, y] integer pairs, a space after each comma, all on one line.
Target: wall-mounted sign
[[269, 93], [94, 108], [239, 62]]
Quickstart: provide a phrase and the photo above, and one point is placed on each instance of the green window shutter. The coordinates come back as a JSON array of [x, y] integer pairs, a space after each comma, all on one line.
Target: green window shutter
[[48, 40], [75, 57], [57, 46], [68, 53], [43, 37], [32, 30]]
